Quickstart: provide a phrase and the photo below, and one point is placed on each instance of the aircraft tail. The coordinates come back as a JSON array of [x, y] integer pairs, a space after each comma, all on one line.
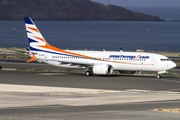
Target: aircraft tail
[[38, 44], [34, 36]]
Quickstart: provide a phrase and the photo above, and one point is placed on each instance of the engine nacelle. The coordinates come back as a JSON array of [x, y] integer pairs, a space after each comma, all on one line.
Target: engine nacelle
[[102, 69]]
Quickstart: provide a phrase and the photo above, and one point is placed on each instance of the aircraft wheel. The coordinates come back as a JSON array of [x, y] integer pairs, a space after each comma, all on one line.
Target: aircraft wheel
[[88, 73], [158, 76]]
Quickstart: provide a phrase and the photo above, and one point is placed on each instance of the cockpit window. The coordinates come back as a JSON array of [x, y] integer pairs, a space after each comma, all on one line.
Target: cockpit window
[[165, 59]]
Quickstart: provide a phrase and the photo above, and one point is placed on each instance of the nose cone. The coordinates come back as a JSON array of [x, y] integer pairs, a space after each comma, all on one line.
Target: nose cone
[[172, 65]]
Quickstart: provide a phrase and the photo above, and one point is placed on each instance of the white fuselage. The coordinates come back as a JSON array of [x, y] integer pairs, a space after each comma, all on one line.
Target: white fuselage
[[126, 61]]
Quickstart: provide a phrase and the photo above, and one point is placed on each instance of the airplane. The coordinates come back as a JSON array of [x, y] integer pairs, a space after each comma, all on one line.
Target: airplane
[[93, 62]]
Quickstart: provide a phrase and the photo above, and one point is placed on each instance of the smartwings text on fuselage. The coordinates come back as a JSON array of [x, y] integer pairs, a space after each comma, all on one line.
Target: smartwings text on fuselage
[[129, 56]]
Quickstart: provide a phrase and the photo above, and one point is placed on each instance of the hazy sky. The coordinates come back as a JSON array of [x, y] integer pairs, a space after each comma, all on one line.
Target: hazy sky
[[155, 3]]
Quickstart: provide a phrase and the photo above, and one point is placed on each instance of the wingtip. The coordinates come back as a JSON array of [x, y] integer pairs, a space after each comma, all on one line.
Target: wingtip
[[32, 58]]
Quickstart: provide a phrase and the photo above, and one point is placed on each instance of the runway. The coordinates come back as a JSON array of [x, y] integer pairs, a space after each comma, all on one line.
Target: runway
[[79, 80], [29, 95]]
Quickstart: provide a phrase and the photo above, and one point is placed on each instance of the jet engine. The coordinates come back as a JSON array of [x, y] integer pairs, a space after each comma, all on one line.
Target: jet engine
[[102, 69]]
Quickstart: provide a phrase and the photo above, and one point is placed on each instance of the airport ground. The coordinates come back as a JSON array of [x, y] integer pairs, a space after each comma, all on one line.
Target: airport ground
[[64, 95]]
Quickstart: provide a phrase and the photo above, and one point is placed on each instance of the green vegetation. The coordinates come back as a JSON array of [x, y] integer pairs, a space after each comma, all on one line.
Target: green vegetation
[[20, 49], [13, 53], [176, 61], [171, 75], [31, 69], [15, 56], [14, 48], [44, 70]]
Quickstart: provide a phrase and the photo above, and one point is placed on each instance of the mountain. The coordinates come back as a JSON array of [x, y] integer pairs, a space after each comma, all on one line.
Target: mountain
[[67, 10]]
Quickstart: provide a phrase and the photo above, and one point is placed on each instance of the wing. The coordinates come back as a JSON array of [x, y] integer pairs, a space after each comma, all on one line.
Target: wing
[[72, 63]]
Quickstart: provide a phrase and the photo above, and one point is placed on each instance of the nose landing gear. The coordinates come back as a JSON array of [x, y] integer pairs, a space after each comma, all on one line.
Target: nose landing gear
[[161, 72]]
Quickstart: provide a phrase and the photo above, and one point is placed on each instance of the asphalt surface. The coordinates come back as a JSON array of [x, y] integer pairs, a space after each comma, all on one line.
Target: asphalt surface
[[124, 111], [79, 80], [134, 111]]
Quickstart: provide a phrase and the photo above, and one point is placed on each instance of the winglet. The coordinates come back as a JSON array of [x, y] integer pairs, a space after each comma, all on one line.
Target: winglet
[[32, 58]]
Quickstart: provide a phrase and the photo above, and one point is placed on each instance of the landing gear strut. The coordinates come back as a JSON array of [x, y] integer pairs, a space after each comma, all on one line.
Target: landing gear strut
[[161, 72]]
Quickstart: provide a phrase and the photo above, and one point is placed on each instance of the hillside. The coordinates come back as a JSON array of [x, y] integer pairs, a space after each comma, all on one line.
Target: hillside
[[67, 10]]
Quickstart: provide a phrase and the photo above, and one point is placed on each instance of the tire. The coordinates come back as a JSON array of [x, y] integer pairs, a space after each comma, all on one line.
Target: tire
[[158, 76], [88, 73]]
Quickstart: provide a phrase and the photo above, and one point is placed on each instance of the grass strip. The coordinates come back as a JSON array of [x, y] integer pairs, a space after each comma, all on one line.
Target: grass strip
[[173, 110]]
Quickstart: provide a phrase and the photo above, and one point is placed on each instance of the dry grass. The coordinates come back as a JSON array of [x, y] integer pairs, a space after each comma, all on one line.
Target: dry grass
[[170, 74], [15, 56], [14, 48], [176, 61], [174, 110]]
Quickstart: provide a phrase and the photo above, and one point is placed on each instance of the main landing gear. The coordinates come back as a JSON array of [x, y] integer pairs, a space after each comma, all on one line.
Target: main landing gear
[[158, 76], [89, 72]]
